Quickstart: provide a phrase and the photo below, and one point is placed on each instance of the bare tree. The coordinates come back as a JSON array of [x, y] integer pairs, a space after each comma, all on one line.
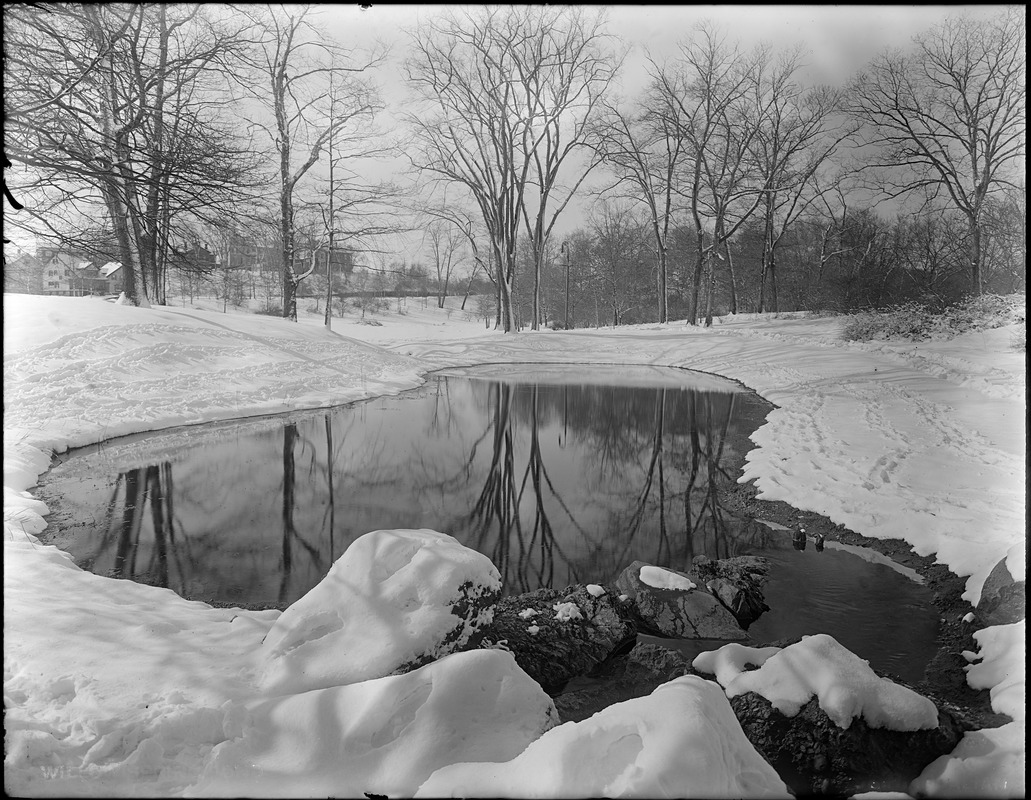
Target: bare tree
[[710, 93], [562, 72], [645, 151], [512, 91], [799, 131], [297, 62], [445, 245], [110, 114], [951, 116]]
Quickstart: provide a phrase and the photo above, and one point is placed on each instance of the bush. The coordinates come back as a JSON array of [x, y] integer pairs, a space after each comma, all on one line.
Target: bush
[[270, 310], [918, 321]]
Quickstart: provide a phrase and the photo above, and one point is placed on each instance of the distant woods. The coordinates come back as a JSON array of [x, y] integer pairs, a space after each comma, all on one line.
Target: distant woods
[[150, 134]]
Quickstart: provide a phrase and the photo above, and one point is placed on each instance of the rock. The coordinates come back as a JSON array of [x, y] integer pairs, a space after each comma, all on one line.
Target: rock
[[815, 756], [827, 721], [556, 635], [635, 674], [736, 582], [394, 601], [1002, 598], [678, 613]]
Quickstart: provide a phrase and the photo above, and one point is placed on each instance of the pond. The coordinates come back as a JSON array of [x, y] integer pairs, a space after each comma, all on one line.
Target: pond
[[560, 475]]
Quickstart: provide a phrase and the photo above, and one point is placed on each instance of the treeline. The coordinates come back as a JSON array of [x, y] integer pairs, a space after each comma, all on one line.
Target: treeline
[[858, 260], [731, 182]]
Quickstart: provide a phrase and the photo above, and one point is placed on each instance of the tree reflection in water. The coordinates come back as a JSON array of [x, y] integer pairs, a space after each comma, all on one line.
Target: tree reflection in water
[[555, 483]]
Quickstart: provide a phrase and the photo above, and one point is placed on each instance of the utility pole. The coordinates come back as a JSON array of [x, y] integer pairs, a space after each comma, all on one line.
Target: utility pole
[[332, 219], [565, 249]]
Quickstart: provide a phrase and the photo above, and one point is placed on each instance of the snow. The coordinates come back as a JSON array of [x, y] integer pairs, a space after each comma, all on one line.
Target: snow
[[388, 601], [595, 590], [659, 578], [682, 740], [818, 666], [114, 688], [564, 612], [382, 736], [526, 613]]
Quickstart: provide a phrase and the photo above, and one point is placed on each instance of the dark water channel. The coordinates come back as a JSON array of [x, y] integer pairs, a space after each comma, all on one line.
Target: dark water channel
[[563, 477]]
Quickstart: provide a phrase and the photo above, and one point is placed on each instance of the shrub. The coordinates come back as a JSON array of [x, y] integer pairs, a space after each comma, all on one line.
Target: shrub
[[1019, 341], [916, 321]]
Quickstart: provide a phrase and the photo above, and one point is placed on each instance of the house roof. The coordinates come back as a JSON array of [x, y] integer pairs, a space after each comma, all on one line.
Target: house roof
[[110, 268]]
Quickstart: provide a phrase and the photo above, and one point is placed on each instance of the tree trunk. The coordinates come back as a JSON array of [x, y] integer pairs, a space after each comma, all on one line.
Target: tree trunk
[[733, 279], [975, 256], [696, 283]]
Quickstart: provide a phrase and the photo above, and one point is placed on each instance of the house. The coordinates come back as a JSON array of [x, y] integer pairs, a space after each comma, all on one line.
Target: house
[[60, 272], [23, 274]]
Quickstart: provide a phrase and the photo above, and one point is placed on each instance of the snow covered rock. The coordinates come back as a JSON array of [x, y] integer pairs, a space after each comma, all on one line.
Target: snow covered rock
[[1002, 597], [826, 721], [680, 741], [395, 600], [671, 604], [556, 634], [737, 583], [384, 736]]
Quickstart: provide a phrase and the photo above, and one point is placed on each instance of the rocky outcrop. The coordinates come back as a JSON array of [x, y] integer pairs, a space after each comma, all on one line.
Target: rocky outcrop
[[736, 582], [556, 635], [1002, 598], [670, 609], [635, 674], [813, 755]]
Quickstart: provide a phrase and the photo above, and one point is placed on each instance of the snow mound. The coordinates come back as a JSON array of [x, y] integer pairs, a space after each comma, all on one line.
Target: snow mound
[[985, 763], [1002, 668], [682, 740], [659, 578], [844, 683], [990, 762], [384, 736], [394, 599]]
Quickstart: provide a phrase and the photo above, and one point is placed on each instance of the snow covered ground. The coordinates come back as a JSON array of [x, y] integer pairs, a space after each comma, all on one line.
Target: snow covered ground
[[113, 688]]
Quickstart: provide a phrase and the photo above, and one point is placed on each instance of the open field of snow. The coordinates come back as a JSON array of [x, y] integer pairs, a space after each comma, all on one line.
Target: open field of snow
[[113, 688]]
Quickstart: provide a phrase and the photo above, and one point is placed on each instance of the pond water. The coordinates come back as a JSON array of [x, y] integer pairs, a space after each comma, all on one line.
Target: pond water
[[560, 476]]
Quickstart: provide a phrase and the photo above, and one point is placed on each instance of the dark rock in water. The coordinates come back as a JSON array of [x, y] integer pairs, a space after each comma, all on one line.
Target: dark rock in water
[[678, 613], [813, 755], [737, 582], [1002, 598], [556, 635], [635, 674]]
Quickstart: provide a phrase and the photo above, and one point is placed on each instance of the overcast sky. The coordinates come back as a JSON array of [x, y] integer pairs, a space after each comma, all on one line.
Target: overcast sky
[[838, 41]]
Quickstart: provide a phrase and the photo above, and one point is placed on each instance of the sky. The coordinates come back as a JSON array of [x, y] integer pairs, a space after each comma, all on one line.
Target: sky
[[838, 41]]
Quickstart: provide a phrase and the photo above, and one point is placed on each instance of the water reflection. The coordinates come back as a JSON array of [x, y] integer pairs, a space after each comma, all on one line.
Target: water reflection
[[555, 483]]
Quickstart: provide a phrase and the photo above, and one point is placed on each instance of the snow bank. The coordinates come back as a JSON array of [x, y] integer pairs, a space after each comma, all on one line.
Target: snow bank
[[988, 762], [659, 578], [393, 598], [383, 736], [818, 666], [682, 740], [114, 688]]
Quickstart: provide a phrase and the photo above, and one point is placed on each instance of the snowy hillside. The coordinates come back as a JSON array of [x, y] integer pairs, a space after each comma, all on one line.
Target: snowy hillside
[[119, 689]]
